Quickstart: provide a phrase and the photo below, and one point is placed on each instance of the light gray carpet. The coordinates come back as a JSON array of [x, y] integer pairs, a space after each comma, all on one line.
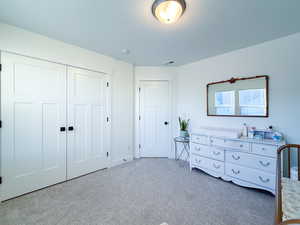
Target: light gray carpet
[[142, 192]]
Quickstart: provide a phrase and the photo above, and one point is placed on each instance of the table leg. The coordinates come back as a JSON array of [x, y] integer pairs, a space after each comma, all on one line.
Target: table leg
[[186, 149], [176, 150]]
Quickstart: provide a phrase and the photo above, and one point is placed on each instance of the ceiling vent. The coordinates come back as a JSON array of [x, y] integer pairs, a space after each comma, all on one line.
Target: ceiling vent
[[169, 63]]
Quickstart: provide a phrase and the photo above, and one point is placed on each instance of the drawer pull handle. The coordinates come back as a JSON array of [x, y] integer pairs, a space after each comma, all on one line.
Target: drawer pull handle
[[197, 149], [264, 180], [263, 149], [241, 146], [216, 153], [197, 160], [211, 141], [264, 164], [216, 166], [235, 172], [236, 157]]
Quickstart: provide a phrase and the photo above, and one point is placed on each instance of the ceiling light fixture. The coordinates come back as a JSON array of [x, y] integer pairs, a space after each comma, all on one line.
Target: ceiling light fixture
[[168, 11]]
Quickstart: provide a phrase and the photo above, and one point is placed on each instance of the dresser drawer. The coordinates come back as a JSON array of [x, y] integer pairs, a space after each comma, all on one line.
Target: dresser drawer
[[218, 142], [200, 149], [217, 153], [253, 161], [251, 175], [207, 151], [243, 146], [267, 150], [205, 163], [200, 139]]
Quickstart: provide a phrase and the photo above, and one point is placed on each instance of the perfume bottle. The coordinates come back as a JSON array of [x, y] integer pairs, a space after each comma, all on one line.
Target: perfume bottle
[[251, 132], [245, 130]]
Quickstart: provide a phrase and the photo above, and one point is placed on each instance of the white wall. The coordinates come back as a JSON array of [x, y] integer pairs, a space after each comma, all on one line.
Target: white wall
[[20, 41], [155, 73], [280, 59], [122, 113], [15, 40]]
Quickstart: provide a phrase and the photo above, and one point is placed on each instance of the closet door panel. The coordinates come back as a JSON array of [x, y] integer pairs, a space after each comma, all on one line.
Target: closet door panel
[[33, 108], [80, 135], [98, 129], [87, 111]]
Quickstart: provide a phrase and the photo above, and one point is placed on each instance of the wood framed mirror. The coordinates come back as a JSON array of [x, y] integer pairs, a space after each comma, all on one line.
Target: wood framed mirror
[[239, 97]]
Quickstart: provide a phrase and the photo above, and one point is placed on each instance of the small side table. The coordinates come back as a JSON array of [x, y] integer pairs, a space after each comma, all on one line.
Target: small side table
[[185, 141]]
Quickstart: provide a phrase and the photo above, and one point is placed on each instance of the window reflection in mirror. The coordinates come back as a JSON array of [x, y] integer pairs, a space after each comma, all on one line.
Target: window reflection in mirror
[[252, 102], [238, 97], [224, 103]]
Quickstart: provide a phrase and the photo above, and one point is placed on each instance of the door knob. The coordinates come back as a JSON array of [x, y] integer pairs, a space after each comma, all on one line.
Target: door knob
[[70, 128], [166, 123]]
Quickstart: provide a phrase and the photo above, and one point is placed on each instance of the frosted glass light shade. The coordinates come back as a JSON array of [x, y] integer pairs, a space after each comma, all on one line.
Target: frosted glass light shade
[[168, 11]]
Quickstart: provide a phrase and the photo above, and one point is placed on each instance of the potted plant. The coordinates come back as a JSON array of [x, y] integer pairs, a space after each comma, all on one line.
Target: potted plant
[[184, 124]]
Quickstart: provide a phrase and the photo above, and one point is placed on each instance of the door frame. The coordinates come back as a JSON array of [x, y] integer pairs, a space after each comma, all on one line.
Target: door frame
[[108, 104], [137, 125]]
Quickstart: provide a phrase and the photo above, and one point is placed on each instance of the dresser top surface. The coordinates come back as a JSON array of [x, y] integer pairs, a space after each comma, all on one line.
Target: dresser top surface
[[245, 139]]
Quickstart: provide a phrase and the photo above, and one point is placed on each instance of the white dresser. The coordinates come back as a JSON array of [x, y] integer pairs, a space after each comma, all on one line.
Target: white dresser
[[246, 162]]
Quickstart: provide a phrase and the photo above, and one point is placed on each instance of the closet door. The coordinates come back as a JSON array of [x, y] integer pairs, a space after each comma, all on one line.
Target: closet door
[[88, 129], [33, 110]]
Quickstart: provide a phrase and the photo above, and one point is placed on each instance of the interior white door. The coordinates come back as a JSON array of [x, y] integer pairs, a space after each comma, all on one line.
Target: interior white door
[[88, 128], [155, 129], [33, 108]]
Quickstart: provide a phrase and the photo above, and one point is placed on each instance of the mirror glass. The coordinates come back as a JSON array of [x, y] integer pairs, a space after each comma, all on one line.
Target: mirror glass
[[240, 97]]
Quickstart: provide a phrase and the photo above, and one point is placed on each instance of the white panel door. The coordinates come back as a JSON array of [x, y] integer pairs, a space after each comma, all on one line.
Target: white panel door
[[33, 108], [155, 129], [88, 129]]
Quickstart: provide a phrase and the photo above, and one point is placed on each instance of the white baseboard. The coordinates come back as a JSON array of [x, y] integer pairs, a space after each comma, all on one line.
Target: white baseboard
[[117, 162]]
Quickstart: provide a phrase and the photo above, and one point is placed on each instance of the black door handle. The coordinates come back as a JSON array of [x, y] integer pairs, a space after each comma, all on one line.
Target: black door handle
[[70, 128], [166, 123], [62, 129]]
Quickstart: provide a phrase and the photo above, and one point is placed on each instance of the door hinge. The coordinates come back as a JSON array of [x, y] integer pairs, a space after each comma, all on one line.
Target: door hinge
[[139, 117], [0, 180], [107, 84], [139, 89], [0, 67], [107, 154], [0, 123], [140, 146], [107, 119]]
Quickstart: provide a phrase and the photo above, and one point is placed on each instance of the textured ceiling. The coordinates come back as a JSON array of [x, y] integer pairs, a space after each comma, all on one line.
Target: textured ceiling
[[208, 27]]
